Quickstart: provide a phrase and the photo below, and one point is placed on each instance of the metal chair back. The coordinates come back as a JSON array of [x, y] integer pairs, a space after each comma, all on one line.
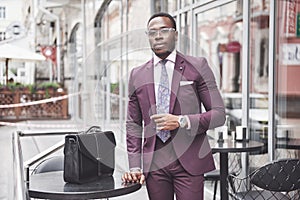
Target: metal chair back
[[279, 176], [55, 163], [277, 180]]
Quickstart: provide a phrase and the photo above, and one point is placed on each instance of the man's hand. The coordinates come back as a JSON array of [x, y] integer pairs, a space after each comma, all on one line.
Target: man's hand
[[133, 177], [165, 121]]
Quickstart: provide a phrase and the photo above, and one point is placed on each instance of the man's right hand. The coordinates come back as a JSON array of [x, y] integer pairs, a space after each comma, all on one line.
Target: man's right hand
[[133, 177]]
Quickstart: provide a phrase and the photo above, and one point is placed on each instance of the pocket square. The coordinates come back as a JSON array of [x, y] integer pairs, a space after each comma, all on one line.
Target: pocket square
[[182, 83]]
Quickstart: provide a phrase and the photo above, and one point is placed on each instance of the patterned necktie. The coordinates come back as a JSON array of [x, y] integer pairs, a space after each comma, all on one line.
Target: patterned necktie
[[163, 98]]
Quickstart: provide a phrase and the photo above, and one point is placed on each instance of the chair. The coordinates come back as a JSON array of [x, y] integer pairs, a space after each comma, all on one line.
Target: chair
[[215, 177], [234, 168], [277, 180], [55, 163]]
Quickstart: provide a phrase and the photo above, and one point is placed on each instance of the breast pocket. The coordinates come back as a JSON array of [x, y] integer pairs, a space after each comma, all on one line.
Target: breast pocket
[[184, 83]]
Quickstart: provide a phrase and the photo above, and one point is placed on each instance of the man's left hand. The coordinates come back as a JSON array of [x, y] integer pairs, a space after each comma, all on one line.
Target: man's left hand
[[165, 121], [133, 177]]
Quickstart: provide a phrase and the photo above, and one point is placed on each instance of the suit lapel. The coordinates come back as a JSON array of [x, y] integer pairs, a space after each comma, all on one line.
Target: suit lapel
[[177, 76]]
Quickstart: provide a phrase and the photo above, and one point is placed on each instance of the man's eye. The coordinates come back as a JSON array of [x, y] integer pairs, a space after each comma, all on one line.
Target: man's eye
[[152, 32], [164, 30]]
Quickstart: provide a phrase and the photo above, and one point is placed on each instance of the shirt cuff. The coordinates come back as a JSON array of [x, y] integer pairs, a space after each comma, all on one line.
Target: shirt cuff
[[135, 169], [188, 122]]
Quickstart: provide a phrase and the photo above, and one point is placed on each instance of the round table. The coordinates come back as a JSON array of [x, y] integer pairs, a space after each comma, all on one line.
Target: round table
[[50, 185], [290, 143], [231, 146]]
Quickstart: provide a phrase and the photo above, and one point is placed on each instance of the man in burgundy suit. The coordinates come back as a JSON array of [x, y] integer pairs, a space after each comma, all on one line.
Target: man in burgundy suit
[[176, 161]]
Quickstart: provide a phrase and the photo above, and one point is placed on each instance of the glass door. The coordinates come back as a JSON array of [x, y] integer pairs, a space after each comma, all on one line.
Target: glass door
[[287, 68]]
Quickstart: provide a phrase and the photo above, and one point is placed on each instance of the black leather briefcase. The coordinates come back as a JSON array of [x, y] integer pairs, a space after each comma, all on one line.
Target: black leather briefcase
[[89, 155]]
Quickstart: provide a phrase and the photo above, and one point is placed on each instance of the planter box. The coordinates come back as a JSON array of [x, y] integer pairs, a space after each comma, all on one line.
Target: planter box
[[31, 108]]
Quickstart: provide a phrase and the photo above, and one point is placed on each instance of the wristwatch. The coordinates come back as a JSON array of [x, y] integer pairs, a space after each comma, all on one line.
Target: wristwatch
[[182, 121]]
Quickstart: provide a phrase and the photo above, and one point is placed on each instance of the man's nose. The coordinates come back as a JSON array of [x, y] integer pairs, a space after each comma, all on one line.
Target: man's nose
[[158, 35]]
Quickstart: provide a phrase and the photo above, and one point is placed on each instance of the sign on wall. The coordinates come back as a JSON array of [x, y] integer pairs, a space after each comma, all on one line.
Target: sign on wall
[[49, 52], [290, 54], [290, 18]]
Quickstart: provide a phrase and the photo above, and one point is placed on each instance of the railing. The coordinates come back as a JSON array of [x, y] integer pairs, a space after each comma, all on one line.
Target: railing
[[20, 188], [57, 109], [21, 181]]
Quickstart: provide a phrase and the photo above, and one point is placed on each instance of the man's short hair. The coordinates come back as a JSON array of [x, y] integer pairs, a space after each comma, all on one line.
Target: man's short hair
[[162, 14]]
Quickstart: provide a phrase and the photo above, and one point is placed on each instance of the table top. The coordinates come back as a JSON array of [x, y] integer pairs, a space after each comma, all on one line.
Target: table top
[[50, 185], [284, 143], [232, 146], [290, 143]]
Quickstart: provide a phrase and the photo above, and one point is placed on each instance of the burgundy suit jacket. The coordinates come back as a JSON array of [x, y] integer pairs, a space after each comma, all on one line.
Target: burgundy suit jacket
[[193, 84]]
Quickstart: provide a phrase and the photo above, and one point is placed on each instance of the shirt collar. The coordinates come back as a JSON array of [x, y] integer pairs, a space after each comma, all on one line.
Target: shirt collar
[[171, 57]]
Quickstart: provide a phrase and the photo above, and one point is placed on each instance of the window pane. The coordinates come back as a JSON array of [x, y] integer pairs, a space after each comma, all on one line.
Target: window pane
[[185, 3], [287, 69], [219, 37], [172, 5]]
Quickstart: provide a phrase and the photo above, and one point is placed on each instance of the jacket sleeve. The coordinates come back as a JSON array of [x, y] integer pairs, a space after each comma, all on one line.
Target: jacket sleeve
[[210, 97], [133, 127]]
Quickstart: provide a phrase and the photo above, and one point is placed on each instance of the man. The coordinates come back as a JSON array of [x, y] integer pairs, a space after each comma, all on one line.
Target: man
[[166, 128]]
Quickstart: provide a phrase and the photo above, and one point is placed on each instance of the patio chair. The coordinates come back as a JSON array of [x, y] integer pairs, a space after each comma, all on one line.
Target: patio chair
[[234, 168], [277, 180], [55, 163]]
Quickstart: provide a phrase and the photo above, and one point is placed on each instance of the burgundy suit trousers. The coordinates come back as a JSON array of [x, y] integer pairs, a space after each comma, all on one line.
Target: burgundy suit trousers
[[167, 177], [163, 183]]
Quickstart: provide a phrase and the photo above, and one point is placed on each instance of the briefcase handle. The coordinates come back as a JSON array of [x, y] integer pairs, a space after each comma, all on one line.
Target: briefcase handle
[[93, 129]]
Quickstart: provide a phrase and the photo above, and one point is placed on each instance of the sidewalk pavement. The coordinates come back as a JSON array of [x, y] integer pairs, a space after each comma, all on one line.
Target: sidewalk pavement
[[33, 145], [6, 163]]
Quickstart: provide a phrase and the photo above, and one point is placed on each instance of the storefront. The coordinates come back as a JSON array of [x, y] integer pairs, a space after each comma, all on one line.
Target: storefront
[[260, 64], [256, 69]]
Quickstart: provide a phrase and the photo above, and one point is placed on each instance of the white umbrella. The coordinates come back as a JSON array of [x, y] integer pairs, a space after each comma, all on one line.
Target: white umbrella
[[12, 52]]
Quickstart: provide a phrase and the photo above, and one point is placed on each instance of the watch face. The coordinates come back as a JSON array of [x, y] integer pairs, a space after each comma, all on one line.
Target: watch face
[[182, 121]]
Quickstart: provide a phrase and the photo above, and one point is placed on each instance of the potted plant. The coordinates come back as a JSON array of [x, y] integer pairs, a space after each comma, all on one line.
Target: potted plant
[[48, 87]]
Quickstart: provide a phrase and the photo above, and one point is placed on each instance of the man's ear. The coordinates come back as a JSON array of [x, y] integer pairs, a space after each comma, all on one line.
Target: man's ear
[[176, 36]]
